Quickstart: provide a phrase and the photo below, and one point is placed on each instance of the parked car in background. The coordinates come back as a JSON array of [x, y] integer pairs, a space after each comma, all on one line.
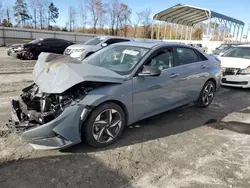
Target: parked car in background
[[198, 46], [81, 51], [94, 99], [32, 49], [235, 65], [223, 48]]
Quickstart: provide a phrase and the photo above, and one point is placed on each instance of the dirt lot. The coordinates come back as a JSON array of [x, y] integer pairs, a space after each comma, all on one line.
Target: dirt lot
[[182, 148]]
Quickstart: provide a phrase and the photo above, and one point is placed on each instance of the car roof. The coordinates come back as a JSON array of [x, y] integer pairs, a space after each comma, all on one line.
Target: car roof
[[150, 44], [230, 44], [244, 45], [112, 37]]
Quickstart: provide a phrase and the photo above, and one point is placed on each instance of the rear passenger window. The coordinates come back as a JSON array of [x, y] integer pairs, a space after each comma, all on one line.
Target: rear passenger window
[[186, 56], [201, 56]]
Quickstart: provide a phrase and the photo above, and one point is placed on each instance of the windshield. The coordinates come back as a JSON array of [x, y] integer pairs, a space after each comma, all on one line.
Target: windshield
[[224, 47], [240, 52], [118, 58], [36, 41], [94, 41]]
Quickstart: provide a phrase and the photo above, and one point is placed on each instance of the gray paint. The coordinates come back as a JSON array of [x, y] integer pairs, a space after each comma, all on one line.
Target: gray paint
[[142, 96], [63, 72]]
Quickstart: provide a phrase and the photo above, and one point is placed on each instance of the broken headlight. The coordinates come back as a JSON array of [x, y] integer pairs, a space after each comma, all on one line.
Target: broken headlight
[[245, 71]]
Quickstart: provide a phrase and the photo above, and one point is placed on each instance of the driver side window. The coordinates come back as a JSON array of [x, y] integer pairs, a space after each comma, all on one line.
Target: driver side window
[[163, 59]]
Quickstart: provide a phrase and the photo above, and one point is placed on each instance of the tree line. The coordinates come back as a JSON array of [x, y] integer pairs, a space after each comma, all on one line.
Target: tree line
[[91, 16]]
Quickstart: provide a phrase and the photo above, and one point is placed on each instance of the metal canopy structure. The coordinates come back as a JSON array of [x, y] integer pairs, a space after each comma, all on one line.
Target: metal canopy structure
[[187, 15]]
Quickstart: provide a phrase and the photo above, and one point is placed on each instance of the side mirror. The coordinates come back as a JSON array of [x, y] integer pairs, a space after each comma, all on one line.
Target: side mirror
[[104, 44], [216, 48], [39, 44], [149, 71]]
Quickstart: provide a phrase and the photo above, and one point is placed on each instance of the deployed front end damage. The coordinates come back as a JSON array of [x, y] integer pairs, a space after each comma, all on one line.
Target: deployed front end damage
[[49, 113], [43, 119]]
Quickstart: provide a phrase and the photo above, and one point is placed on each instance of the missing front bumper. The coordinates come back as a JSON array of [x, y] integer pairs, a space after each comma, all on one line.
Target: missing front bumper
[[59, 133]]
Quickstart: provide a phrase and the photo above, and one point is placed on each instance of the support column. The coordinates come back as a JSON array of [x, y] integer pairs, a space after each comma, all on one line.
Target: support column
[[224, 33], [219, 29], [242, 27], [209, 25], [165, 28], [176, 32], [238, 32], [158, 33], [215, 23], [171, 31], [186, 33], [181, 31], [234, 30], [191, 33], [152, 30]]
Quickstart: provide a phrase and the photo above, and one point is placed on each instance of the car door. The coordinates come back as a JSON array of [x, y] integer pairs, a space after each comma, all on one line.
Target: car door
[[43, 46], [155, 94], [192, 67], [58, 46]]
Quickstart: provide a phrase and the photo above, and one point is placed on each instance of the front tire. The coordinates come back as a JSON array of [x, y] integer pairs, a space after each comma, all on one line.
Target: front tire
[[29, 55], [206, 95], [104, 125]]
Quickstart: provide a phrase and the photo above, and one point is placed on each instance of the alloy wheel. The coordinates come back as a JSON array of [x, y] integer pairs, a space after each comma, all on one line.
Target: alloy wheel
[[107, 126], [29, 55], [208, 94]]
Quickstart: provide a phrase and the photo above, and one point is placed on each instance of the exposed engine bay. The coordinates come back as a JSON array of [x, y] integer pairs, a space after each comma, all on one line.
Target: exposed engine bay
[[35, 108]]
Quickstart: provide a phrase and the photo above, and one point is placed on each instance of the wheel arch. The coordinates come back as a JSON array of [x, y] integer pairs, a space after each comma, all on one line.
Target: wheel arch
[[214, 81], [122, 105]]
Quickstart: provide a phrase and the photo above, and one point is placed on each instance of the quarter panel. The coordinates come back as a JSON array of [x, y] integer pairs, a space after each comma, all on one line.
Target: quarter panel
[[118, 92]]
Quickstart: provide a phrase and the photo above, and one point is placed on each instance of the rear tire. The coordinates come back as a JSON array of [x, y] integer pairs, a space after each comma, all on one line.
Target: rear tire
[[104, 125], [206, 95]]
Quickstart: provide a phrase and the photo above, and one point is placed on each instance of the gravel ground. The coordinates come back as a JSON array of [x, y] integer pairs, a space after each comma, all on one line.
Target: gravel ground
[[183, 148]]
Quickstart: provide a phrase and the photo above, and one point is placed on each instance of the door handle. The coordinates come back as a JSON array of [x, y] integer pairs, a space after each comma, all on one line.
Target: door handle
[[203, 66], [173, 75]]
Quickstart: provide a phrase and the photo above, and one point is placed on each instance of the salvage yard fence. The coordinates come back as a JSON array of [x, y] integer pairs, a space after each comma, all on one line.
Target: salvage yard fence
[[9, 35]]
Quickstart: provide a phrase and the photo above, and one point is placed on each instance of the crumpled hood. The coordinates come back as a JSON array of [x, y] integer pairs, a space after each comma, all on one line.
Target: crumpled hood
[[232, 62], [55, 73]]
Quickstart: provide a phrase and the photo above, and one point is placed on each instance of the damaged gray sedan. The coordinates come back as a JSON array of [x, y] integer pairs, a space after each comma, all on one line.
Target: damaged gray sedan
[[93, 100]]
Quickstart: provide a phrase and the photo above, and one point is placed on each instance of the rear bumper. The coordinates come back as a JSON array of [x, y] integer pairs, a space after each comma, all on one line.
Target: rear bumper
[[59, 133], [242, 81]]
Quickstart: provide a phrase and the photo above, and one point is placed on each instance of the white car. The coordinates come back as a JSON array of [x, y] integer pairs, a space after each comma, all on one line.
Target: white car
[[81, 51], [235, 65]]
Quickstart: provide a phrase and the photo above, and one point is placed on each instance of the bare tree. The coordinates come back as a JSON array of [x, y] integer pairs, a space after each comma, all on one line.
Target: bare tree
[[136, 22], [41, 12], [72, 18], [1, 12], [34, 5], [112, 11], [124, 17], [95, 8], [8, 14], [103, 17], [83, 13], [146, 21]]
